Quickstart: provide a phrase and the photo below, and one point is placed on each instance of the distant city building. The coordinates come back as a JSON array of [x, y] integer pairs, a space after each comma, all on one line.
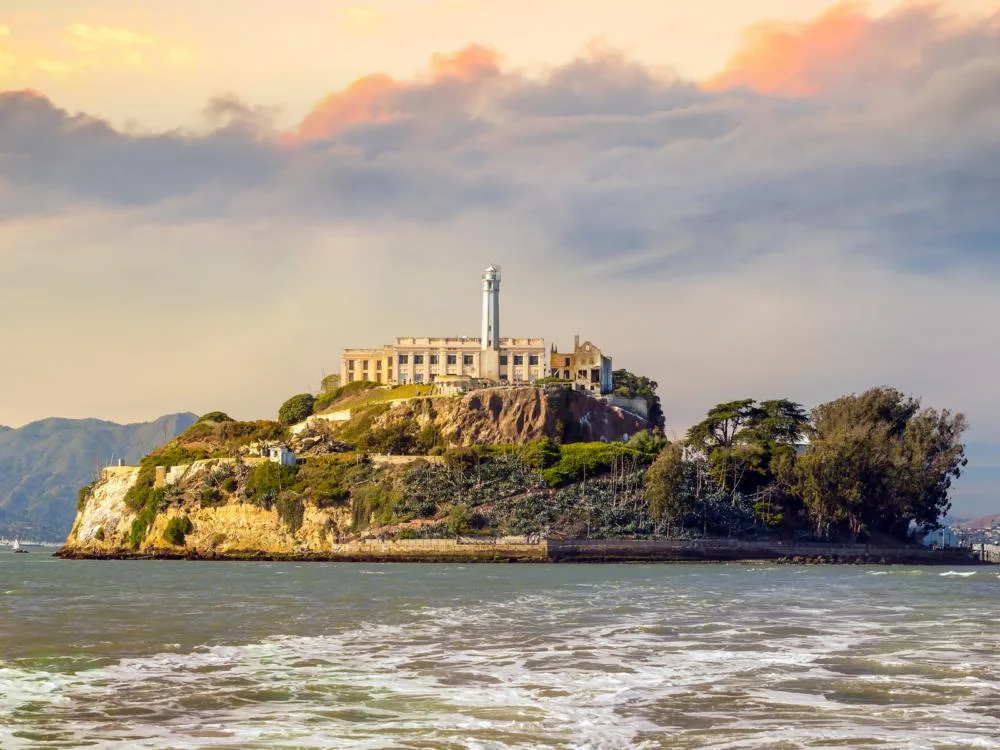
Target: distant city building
[[421, 360], [586, 366]]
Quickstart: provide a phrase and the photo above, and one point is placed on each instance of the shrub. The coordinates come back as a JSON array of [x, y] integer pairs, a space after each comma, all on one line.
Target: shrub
[[540, 453], [267, 480], [372, 503], [324, 399], [99, 534], [291, 510], [230, 485], [459, 519], [215, 416], [81, 496], [591, 459], [211, 497], [296, 409], [396, 438], [177, 529], [330, 383]]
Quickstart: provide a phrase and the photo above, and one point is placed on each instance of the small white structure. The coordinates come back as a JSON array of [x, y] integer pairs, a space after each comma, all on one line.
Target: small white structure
[[280, 455]]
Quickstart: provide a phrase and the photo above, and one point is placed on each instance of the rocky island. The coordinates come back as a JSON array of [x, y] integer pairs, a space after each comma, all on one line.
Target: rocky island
[[531, 473]]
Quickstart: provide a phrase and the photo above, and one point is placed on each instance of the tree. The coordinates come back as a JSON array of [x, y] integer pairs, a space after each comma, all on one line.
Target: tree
[[330, 383], [459, 519], [296, 409], [741, 440], [629, 385], [877, 463], [668, 487]]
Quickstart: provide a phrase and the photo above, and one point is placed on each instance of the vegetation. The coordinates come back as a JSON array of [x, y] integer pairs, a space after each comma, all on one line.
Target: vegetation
[[215, 416], [81, 496], [296, 409], [628, 385], [266, 481], [177, 529], [291, 510]]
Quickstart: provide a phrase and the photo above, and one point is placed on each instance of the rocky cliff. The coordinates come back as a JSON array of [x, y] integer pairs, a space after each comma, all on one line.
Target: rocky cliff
[[508, 416], [106, 522]]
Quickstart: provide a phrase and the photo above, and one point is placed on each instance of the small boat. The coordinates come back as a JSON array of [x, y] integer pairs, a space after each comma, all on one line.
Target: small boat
[[16, 546]]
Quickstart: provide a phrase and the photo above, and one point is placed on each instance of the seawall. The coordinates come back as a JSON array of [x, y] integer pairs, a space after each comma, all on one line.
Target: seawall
[[560, 551]]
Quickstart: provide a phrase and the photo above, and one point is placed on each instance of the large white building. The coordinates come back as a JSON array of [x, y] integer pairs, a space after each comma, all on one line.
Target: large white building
[[424, 359]]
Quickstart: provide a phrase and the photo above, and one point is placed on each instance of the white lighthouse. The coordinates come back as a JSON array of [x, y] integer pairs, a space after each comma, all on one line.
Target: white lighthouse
[[491, 324]]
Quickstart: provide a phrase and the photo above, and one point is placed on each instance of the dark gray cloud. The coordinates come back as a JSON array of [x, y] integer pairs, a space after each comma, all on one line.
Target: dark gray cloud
[[896, 155]]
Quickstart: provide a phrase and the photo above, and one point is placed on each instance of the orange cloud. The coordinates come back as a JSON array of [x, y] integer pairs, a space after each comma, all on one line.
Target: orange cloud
[[371, 98], [790, 58], [470, 63]]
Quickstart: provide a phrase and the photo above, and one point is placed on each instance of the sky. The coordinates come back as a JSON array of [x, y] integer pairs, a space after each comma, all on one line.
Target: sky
[[202, 203]]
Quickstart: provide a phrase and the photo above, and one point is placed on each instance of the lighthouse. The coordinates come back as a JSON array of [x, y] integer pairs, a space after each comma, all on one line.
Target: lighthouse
[[490, 355]]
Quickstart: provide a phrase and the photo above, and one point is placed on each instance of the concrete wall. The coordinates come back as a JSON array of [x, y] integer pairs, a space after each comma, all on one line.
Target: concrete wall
[[585, 550], [637, 406]]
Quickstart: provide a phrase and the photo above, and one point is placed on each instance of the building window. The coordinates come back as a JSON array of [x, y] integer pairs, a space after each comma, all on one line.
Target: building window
[[452, 359], [418, 359], [565, 361], [404, 359], [518, 360], [364, 365], [418, 377], [595, 376], [533, 359], [503, 359], [350, 377], [350, 365], [378, 377], [435, 359], [378, 366], [467, 360]]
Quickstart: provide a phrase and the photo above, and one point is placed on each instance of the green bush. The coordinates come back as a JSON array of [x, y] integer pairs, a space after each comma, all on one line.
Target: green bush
[[177, 529], [291, 510], [99, 534], [396, 438], [459, 519], [296, 409], [215, 416], [540, 453], [81, 496], [267, 480], [230, 485], [324, 400], [211, 497], [330, 383], [590, 459], [372, 503]]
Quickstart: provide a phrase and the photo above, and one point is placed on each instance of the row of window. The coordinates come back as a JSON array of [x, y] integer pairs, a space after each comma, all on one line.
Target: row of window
[[452, 359], [418, 378]]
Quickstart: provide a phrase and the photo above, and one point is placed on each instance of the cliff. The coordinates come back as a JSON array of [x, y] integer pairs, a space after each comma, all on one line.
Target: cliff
[[495, 416]]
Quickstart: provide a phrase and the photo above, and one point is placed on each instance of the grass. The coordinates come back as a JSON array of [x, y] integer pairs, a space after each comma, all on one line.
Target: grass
[[348, 398]]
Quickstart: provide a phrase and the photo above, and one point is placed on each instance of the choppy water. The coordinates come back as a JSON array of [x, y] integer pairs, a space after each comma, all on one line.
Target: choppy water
[[206, 655]]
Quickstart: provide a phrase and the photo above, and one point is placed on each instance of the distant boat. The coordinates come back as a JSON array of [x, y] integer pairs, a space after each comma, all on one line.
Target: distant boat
[[16, 546]]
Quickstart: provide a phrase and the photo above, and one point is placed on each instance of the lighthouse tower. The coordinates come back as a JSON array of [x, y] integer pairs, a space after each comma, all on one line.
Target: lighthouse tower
[[490, 355]]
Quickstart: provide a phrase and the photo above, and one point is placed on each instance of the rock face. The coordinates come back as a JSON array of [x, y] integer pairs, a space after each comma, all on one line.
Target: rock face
[[517, 415], [105, 521]]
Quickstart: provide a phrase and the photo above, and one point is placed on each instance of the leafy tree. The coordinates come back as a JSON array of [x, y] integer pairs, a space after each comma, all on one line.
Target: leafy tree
[[296, 409], [647, 443], [330, 383], [877, 462], [741, 440], [215, 416], [668, 487], [630, 385], [459, 519]]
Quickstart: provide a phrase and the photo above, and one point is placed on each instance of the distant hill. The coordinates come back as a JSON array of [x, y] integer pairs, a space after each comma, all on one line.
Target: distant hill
[[983, 522], [43, 464], [5, 428]]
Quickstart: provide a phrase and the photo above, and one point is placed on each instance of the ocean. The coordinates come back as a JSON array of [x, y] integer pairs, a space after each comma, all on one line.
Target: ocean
[[284, 655]]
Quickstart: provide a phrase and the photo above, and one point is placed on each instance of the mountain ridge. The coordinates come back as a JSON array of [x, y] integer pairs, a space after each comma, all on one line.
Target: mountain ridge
[[45, 462]]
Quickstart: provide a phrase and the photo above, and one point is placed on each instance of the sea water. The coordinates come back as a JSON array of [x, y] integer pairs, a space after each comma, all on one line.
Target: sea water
[[262, 655]]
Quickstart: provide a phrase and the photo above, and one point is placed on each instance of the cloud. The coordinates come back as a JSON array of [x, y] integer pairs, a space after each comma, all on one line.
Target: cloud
[[4, 30], [85, 38], [806, 229]]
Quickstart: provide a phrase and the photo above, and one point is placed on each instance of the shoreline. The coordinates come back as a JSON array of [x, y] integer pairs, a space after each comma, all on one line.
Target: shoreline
[[579, 552]]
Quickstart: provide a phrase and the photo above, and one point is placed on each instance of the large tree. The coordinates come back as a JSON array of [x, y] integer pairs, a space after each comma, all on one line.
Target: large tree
[[742, 439], [877, 462]]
